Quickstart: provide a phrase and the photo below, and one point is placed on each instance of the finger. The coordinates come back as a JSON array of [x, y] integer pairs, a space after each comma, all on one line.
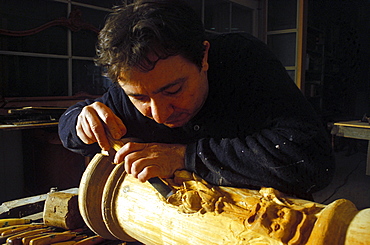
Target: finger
[[133, 161], [83, 131], [148, 173], [136, 159], [127, 164], [98, 132], [113, 123], [127, 149], [144, 167], [83, 126]]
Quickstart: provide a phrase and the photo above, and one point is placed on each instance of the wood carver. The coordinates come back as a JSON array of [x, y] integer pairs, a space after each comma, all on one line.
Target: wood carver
[[117, 206]]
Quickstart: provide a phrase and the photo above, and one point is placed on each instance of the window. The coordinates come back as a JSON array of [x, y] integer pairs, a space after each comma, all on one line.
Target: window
[[285, 34], [58, 61], [224, 16]]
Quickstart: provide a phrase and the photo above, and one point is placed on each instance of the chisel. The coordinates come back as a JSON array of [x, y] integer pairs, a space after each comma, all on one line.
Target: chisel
[[14, 221], [22, 228], [53, 238], [26, 240]]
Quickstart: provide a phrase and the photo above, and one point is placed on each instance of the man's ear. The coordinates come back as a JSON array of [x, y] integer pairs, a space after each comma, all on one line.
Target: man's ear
[[205, 65]]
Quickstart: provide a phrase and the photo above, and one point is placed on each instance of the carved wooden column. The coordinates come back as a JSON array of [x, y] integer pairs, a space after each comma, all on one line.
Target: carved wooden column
[[116, 205]]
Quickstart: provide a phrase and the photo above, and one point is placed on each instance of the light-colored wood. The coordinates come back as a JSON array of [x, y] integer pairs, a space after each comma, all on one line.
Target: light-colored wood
[[358, 230], [90, 193], [61, 210], [110, 192], [27, 205], [199, 213]]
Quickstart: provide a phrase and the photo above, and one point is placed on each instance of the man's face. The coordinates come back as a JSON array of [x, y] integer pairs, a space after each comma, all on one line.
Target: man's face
[[170, 94]]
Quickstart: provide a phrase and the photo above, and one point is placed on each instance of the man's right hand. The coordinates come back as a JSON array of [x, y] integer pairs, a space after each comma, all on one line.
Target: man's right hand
[[94, 120]]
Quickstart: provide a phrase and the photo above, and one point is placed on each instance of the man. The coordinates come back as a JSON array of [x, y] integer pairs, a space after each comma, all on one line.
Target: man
[[221, 106]]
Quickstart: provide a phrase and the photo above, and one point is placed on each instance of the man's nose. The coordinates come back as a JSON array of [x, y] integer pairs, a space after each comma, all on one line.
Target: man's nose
[[160, 110]]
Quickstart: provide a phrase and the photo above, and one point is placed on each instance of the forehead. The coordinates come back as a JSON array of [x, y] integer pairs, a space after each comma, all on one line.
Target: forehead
[[165, 71]]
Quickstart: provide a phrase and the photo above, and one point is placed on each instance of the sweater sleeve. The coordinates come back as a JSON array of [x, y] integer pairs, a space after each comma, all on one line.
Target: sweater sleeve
[[291, 156], [68, 134]]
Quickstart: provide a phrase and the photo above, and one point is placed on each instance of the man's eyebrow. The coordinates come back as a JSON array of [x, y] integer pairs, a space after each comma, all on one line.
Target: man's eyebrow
[[134, 95], [177, 81]]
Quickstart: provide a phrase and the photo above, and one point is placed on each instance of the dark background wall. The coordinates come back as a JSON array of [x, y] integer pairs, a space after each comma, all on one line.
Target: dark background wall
[[346, 93]]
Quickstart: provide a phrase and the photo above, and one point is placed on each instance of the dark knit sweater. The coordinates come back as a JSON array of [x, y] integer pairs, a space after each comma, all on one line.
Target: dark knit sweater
[[255, 129]]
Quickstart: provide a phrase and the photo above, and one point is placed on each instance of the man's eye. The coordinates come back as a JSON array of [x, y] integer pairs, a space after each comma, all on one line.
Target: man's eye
[[173, 90], [140, 98]]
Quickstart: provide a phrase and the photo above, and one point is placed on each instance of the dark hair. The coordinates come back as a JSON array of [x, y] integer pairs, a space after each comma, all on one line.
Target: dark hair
[[161, 28]]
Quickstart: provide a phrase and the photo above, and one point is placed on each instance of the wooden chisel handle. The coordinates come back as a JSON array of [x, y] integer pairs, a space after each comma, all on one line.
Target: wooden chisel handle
[[22, 228], [53, 238], [2, 229], [14, 221], [26, 240]]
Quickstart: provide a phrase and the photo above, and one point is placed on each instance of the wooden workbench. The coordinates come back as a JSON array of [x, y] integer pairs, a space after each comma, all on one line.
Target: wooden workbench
[[355, 130]]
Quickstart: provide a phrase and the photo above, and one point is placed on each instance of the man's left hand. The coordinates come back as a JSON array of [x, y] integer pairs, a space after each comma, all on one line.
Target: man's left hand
[[148, 160]]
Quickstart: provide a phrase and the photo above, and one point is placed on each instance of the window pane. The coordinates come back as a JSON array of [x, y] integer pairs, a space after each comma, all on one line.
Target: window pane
[[32, 76], [242, 19], [16, 16], [282, 14], [283, 45], [87, 78], [83, 43], [217, 15]]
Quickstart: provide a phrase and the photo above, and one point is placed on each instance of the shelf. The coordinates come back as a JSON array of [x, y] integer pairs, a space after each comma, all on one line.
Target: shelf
[[28, 126]]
